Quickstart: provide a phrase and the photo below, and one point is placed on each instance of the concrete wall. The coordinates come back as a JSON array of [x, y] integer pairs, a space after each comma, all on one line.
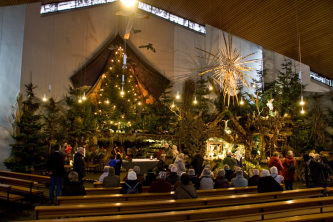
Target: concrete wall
[[272, 63], [11, 45]]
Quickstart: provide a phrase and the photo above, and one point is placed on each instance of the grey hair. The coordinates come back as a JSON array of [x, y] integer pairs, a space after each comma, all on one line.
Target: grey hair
[[73, 176], [265, 173]]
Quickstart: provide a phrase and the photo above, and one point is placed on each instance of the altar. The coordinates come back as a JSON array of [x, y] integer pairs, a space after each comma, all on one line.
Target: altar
[[144, 164]]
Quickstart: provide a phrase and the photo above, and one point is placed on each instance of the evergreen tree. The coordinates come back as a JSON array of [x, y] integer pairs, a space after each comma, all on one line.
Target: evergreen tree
[[30, 150], [53, 128], [120, 100], [80, 122]]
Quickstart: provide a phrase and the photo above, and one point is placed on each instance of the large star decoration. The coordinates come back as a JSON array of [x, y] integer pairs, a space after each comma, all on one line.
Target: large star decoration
[[228, 67]]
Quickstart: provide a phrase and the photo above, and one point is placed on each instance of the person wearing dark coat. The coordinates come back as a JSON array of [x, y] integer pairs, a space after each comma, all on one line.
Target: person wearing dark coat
[[160, 185], [267, 183], [194, 177], [73, 187], [173, 177], [150, 178], [221, 181], [56, 169], [228, 173], [197, 163], [186, 189], [117, 167], [254, 180], [79, 163], [132, 181], [315, 172], [161, 165]]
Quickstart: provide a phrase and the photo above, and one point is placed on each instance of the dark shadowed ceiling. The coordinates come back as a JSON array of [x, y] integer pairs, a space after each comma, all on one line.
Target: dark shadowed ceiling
[[269, 23]]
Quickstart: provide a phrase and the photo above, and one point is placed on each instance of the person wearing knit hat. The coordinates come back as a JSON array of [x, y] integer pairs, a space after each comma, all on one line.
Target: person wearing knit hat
[[160, 185], [205, 182], [267, 183], [239, 180], [131, 183], [173, 176], [221, 181]]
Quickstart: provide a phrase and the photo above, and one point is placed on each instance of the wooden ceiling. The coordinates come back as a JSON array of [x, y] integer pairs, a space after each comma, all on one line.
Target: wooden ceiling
[[273, 24]]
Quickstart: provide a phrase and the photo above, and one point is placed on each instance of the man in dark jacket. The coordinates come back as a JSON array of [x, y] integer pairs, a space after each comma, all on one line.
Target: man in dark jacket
[[197, 164], [314, 172], [56, 169], [254, 180], [267, 183], [79, 163], [160, 185]]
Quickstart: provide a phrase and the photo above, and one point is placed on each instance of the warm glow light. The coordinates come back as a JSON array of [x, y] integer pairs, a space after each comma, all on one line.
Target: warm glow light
[[107, 101], [84, 96], [139, 103], [241, 101], [177, 96], [302, 111], [227, 130], [44, 98], [122, 93], [302, 103], [195, 101], [254, 85], [129, 3], [173, 105], [210, 87], [80, 100]]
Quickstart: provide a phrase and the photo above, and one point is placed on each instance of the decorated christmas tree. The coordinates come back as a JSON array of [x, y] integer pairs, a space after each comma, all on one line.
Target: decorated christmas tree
[[29, 150], [119, 99]]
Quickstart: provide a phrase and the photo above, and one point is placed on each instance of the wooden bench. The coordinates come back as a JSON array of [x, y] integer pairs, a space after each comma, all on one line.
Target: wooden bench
[[249, 212], [112, 207], [21, 186], [107, 198], [109, 190], [322, 217], [100, 184], [5, 194], [39, 181]]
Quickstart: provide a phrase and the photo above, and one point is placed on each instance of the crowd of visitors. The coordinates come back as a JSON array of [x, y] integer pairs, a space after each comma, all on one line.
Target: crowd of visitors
[[172, 174]]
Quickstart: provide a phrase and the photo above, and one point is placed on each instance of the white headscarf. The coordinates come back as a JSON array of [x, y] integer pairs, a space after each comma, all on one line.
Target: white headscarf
[[238, 155]]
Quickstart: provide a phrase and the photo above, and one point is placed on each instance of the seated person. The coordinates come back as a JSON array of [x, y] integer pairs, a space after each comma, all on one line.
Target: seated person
[[254, 180], [73, 187], [160, 185], [113, 161], [140, 177], [131, 185], [275, 175], [186, 189], [206, 181], [267, 183], [239, 180], [111, 180], [173, 177], [106, 172], [193, 176], [221, 181], [150, 177], [228, 173]]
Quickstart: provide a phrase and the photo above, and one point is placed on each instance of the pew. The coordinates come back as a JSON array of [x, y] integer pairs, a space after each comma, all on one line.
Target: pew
[[21, 186], [39, 181], [107, 198], [249, 212], [5, 194], [116, 190], [89, 209], [100, 184]]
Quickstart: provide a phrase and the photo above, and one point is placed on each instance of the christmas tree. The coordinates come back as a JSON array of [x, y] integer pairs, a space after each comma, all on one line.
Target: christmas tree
[[119, 99], [30, 150]]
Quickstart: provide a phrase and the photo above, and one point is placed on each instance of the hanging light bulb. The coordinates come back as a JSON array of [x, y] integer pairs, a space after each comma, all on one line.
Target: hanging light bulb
[[253, 85], [84, 96], [173, 105], [178, 95], [302, 111], [139, 103], [80, 100], [195, 100], [210, 87], [227, 130], [44, 98], [241, 101], [107, 101], [302, 103], [122, 93]]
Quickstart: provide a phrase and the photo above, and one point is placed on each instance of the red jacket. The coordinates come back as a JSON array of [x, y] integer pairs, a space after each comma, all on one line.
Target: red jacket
[[286, 173], [275, 161]]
